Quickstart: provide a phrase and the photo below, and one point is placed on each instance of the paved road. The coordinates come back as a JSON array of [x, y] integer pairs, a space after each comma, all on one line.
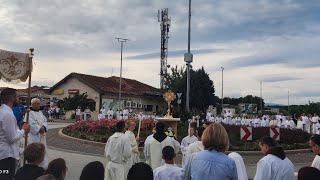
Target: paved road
[[76, 161]]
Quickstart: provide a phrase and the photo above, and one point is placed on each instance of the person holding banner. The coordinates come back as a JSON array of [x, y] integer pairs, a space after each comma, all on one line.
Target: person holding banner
[[10, 134], [39, 127]]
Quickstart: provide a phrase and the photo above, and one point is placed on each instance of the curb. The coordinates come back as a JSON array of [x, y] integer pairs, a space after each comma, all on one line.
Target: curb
[[75, 152], [141, 148], [296, 151], [61, 134]]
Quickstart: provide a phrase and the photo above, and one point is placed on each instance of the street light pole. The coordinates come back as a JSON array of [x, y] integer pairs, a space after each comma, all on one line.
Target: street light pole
[[188, 58], [288, 102], [222, 68], [261, 98], [121, 40]]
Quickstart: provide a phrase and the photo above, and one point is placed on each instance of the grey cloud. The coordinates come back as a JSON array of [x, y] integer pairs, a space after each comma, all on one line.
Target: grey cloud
[[272, 79], [79, 27], [176, 53]]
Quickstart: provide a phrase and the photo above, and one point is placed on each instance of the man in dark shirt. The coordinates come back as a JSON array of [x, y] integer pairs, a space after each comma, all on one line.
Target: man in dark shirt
[[19, 111], [34, 154]]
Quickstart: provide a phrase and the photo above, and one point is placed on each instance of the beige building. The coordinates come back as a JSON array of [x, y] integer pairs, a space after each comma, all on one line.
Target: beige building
[[104, 92]]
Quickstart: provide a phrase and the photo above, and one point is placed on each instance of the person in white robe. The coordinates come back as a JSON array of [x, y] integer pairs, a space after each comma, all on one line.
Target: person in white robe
[[78, 114], [155, 145], [300, 124], [117, 152], [238, 121], [233, 121], [125, 113], [317, 126], [103, 112], [196, 146], [169, 171], [307, 122], [229, 117], [264, 122], [241, 168], [146, 142], [219, 119], [243, 121], [273, 123], [292, 124], [257, 122], [212, 119], [314, 143], [286, 124], [135, 156], [186, 141], [118, 114], [275, 165], [209, 114], [38, 128], [314, 120]]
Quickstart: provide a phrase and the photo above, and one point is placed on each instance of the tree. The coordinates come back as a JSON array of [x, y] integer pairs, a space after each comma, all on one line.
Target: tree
[[201, 87], [72, 102]]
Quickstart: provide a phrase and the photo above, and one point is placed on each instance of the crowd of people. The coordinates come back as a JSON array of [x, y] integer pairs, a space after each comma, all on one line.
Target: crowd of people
[[204, 153], [309, 123]]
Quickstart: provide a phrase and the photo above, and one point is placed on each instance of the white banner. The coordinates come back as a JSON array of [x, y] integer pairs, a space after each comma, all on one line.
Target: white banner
[[14, 66]]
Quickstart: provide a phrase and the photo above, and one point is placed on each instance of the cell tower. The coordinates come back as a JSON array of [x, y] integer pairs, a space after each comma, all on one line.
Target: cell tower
[[165, 23]]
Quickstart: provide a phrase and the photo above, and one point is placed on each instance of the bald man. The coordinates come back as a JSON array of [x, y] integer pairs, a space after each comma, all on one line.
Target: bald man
[[39, 127]]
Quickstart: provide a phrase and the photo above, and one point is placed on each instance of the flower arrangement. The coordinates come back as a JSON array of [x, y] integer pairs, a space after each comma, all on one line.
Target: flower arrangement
[[100, 130]]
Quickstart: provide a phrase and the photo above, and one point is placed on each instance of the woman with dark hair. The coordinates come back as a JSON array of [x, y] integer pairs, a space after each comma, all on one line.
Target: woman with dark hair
[[140, 170], [57, 168], [94, 169]]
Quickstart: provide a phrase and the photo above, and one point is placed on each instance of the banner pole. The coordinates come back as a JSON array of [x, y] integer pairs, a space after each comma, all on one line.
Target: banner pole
[[28, 101]]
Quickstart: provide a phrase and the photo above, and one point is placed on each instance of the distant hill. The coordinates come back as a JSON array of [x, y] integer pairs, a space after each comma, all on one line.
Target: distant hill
[[273, 104]]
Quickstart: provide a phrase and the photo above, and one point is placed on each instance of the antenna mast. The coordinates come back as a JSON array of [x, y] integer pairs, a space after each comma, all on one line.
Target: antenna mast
[[165, 23]]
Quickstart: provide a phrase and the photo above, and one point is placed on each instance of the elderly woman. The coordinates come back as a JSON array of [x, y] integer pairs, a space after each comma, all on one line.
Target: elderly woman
[[212, 163]]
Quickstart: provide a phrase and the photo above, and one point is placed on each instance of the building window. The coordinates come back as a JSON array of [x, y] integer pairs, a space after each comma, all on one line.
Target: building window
[[92, 104]]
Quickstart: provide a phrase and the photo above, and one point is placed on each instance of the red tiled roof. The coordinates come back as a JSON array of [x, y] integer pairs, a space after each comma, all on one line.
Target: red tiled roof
[[111, 85], [34, 88]]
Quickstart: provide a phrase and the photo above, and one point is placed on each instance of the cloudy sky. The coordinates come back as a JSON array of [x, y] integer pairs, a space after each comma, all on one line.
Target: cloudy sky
[[273, 41]]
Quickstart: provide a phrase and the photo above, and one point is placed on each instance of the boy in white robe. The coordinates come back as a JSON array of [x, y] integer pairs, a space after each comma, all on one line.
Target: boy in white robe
[[241, 168], [38, 128], [275, 165], [169, 171], [196, 146], [135, 156], [191, 138], [146, 142], [117, 152], [155, 145]]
